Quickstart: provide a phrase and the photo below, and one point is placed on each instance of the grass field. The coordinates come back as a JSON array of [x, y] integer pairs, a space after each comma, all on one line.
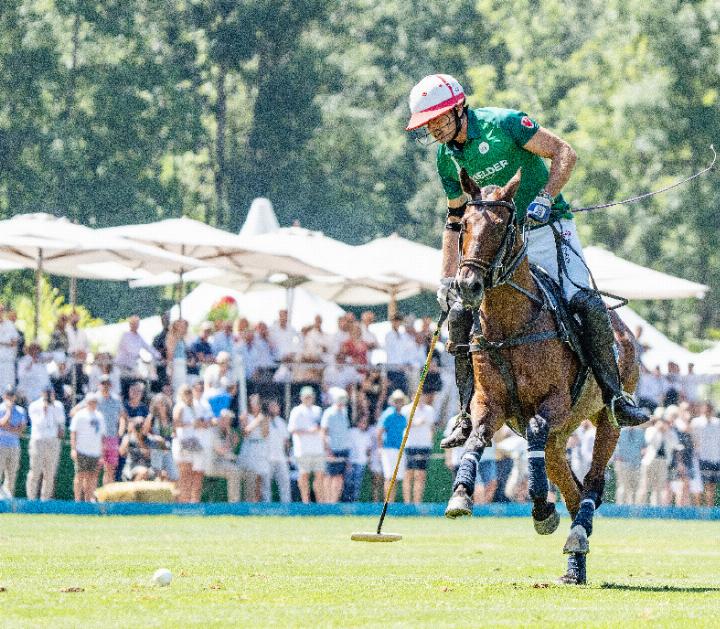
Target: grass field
[[66, 571]]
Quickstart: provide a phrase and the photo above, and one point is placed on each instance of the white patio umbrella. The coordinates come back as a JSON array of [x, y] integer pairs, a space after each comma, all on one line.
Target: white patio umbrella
[[411, 266], [632, 281], [54, 245], [353, 277], [216, 248]]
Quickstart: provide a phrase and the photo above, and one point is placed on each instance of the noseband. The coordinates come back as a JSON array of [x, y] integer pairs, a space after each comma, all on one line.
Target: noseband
[[503, 265]]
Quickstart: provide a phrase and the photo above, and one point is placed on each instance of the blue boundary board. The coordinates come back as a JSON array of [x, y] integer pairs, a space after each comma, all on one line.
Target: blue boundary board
[[502, 510]]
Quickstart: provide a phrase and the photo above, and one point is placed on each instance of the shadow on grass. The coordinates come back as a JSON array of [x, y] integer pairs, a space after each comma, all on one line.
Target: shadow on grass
[[658, 588]]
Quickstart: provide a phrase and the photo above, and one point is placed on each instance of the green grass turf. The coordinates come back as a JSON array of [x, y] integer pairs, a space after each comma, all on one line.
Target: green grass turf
[[306, 572]]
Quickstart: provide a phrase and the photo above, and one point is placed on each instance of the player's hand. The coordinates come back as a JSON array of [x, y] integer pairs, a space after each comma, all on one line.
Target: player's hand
[[539, 209], [447, 293]]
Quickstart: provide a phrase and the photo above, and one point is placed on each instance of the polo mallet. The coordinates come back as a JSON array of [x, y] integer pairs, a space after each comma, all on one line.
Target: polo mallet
[[379, 536]]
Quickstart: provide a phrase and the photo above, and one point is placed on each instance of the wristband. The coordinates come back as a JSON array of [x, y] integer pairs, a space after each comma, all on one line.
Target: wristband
[[454, 226]]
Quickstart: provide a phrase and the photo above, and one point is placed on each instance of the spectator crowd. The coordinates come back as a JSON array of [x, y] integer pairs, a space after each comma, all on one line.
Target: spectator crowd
[[301, 415]]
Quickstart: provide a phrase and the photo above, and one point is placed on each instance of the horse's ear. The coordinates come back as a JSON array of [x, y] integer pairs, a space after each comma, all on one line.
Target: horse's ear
[[468, 185], [508, 192]]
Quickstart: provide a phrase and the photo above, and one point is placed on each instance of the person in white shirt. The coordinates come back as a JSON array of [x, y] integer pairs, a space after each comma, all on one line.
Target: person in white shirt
[[693, 382], [253, 460], [308, 447], [222, 368], [367, 318], [78, 345], [651, 387], [128, 352], [581, 444], [277, 442], [33, 376], [8, 350], [87, 430], [400, 352], [418, 447], [224, 461], [47, 427], [285, 338], [203, 424], [705, 430], [186, 447], [661, 442], [361, 443]]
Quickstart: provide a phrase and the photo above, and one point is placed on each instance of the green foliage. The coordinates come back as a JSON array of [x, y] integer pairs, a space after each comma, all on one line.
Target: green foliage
[[52, 304], [120, 112]]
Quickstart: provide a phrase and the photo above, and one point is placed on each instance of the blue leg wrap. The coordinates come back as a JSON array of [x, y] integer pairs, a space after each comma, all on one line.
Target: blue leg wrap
[[537, 476], [467, 472], [577, 564], [537, 434], [585, 515]]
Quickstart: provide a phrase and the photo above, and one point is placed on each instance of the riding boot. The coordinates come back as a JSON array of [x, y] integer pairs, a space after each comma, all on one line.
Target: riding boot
[[599, 344], [459, 326]]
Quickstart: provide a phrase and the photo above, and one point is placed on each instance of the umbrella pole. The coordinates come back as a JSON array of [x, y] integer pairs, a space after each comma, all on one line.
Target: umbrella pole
[[289, 299], [73, 302], [181, 293], [392, 304], [38, 292]]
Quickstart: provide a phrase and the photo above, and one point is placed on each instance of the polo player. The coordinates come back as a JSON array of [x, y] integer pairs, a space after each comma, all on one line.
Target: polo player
[[491, 144]]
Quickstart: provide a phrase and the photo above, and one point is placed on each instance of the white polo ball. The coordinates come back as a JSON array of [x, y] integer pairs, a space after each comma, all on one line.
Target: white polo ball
[[162, 577]]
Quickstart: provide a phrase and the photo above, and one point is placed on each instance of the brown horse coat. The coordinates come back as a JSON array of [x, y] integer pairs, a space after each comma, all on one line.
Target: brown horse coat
[[544, 371]]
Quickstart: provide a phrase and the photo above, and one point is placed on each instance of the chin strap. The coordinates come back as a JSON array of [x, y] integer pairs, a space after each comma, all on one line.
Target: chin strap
[[458, 123]]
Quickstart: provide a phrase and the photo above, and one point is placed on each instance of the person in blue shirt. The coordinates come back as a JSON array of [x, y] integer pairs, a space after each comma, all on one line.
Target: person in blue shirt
[[12, 423], [225, 398], [390, 432]]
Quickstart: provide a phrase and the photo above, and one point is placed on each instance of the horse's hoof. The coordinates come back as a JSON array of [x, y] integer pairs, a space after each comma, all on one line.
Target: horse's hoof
[[571, 578], [549, 525], [459, 505], [577, 541], [461, 429]]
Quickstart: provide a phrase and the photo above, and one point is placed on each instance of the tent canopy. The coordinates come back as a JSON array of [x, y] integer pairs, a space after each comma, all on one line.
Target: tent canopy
[[78, 251], [214, 247], [632, 281]]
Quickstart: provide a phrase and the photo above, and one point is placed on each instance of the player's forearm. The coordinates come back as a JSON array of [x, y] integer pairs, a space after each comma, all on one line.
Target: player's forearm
[[450, 243], [561, 168]]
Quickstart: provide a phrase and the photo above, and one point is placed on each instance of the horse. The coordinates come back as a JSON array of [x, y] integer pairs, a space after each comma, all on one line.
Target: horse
[[524, 370]]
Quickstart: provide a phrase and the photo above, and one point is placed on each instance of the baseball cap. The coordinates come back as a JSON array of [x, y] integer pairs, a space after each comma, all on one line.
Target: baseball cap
[[9, 390], [104, 378]]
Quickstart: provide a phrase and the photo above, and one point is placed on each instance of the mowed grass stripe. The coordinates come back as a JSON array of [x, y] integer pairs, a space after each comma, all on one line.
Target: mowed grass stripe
[[306, 572]]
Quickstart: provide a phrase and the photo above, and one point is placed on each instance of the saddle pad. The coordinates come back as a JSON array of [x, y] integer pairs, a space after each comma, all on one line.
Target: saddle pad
[[568, 326]]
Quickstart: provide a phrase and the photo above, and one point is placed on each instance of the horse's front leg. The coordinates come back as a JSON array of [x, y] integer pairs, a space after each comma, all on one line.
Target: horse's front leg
[[544, 513], [487, 419]]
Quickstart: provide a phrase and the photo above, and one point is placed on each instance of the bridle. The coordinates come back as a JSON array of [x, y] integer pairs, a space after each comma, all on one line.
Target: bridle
[[501, 268]]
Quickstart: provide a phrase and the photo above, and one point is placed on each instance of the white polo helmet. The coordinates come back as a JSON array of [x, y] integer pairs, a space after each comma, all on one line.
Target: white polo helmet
[[432, 97]]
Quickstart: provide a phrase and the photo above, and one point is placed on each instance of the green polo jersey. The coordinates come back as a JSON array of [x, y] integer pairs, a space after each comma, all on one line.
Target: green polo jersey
[[492, 154]]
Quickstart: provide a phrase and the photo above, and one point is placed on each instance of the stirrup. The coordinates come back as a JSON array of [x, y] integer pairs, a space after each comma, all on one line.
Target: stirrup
[[622, 397]]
